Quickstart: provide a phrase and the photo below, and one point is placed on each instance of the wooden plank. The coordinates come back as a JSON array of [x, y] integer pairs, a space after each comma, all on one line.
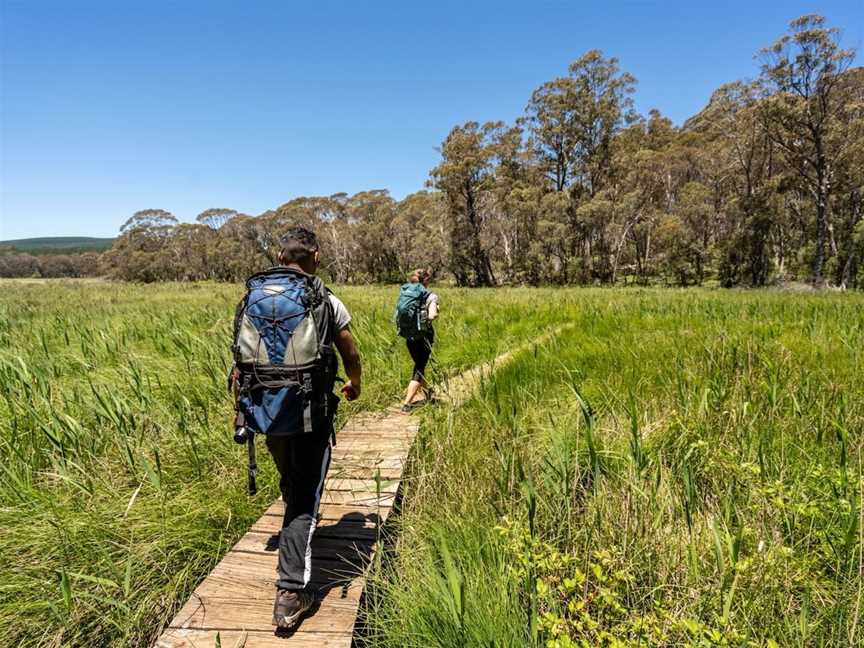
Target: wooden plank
[[355, 526], [393, 432], [363, 485], [323, 546], [360, 472], [367, 464], [213, 613], [253, 576], [263, 565], [367, 500], [391, 447], [359, 468], [333, 511], [264, 589], [194, 638]]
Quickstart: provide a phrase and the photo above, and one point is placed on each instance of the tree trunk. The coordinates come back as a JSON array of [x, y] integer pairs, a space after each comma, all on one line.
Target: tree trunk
[[819, 258], [851, 255], [479, 259], [821, 191]]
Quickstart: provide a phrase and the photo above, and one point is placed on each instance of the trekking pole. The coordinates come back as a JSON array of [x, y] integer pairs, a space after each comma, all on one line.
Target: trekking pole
[[253, 466], [242, 433], [245, 434]]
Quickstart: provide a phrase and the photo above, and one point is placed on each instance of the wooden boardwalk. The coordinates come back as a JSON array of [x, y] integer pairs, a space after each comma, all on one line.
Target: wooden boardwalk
[[235, 602]]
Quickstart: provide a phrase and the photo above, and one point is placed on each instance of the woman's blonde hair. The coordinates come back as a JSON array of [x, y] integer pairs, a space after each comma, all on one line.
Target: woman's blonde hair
[[419, 276]]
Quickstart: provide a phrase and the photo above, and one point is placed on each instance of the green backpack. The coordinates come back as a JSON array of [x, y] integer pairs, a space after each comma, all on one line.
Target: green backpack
[[409, 310]]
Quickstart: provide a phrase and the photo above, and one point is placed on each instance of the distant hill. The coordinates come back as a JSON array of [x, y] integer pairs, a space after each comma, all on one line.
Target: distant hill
[[59, 244]]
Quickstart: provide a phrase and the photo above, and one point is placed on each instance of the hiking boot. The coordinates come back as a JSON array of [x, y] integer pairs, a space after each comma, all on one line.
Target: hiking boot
[[290, 606]]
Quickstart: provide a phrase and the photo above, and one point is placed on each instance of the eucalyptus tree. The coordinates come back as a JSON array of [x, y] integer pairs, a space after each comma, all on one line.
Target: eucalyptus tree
[[421, 232], [216, 217], [802, 73], [466, 177], [748, 173], [572, 123]]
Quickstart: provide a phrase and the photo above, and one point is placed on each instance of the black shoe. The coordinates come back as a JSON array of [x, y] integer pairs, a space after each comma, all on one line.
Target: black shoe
[[290, 607], [407, 409]]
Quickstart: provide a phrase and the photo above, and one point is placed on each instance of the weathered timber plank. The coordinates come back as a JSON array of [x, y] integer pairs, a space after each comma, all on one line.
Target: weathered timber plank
[[381, 420], [367, 464], [358, 499], [378, 432], [334, 586], [333, 511], [365, 467], [176, 638], [259, 565], [363, 485], [264, 589], [351, 525], [388, 447], [339, 547], [354, 472], [250, 575], [213, 613]]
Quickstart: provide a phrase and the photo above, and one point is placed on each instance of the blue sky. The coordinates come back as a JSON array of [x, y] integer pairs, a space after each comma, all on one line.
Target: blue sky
[[111, 107]]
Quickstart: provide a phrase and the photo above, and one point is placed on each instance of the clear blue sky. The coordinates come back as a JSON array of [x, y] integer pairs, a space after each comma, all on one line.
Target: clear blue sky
[[111, 107]]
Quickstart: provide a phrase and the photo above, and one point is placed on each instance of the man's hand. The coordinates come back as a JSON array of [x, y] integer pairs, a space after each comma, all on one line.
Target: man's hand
[[351, 391]]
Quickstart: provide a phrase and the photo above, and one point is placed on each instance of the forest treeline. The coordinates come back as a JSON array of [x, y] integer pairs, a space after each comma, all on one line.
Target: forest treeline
[[764, 185]]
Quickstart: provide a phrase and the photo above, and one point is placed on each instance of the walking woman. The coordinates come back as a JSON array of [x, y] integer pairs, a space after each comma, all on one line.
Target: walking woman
[[416, 309]]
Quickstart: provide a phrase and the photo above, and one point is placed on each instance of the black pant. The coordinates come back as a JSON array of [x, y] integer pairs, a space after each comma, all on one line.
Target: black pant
[[302, 461], [420, 349]]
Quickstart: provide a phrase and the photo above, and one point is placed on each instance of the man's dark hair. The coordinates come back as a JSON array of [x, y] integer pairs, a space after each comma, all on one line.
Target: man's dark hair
[[298, 244]]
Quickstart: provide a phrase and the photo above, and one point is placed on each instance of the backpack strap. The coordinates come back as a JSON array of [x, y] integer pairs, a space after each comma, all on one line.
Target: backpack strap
[[307, 409], [238, 318]]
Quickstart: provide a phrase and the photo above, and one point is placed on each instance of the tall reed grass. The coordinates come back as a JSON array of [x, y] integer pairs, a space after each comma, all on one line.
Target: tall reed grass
[[678, 469]]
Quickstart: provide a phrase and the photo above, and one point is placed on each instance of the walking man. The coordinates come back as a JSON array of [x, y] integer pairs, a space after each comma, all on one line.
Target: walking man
[[286, 329], [416, 309]]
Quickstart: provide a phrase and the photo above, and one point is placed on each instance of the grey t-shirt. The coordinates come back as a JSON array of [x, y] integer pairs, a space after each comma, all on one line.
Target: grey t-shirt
[[341, 316]]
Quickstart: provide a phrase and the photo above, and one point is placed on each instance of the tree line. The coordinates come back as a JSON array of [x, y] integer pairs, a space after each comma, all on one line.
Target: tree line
[[765, 184]]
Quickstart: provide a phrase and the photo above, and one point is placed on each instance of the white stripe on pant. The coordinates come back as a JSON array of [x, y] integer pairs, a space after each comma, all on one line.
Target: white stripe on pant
[[307, 571]]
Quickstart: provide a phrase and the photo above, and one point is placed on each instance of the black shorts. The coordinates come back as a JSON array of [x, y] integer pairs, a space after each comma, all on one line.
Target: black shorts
[[420, 349]]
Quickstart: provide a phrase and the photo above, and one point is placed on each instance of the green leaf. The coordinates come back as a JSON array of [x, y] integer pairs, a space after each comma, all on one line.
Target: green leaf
[[66, 589]]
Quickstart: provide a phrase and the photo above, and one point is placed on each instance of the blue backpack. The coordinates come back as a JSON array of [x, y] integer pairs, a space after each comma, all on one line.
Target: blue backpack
[[284, 356]]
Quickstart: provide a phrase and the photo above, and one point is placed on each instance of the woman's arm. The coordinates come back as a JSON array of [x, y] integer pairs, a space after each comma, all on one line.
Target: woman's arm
[[433, 310]]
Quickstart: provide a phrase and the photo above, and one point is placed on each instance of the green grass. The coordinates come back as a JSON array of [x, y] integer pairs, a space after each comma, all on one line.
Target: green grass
[[120, 486], [678, 469]]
